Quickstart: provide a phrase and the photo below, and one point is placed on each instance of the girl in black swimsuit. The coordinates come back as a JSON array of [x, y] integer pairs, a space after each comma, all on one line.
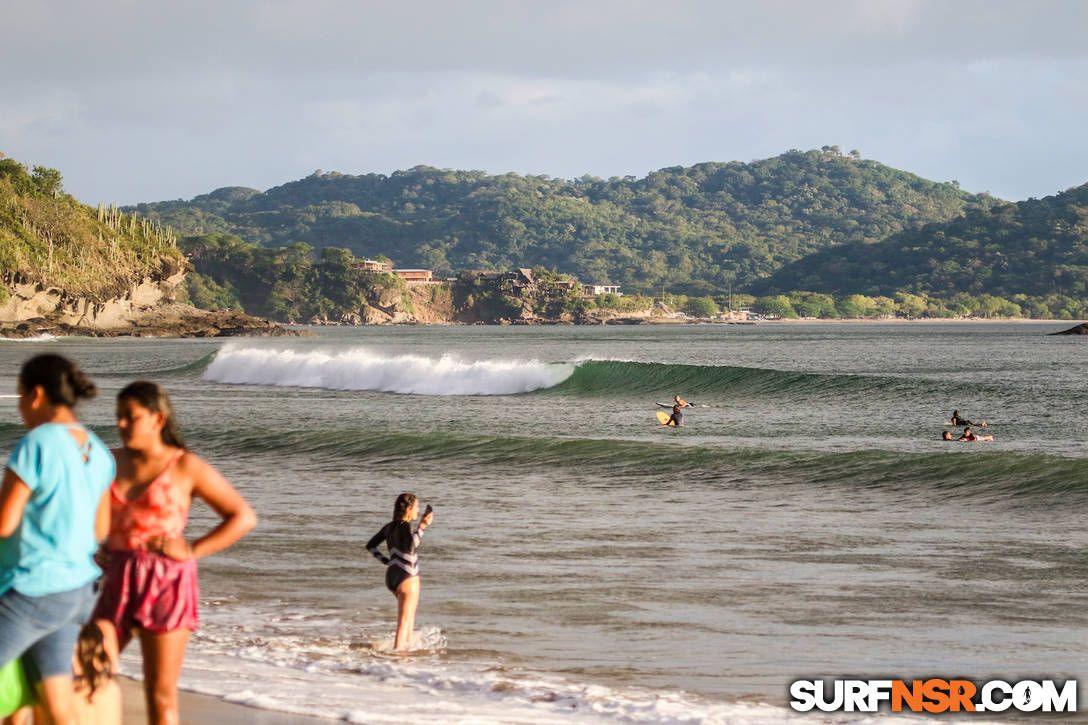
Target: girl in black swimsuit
[[402, 572]]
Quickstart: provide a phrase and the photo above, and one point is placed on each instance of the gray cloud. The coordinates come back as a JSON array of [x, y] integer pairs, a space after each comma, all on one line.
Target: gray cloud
[[109, 39], [140, 101]]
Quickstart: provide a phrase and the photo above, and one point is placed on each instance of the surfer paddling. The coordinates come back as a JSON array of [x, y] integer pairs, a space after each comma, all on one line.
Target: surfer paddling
[[970, 436], [677, 401], [402, 572]]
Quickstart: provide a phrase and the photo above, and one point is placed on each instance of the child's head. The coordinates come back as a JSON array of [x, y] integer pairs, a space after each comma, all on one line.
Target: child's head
[[403, 506], [154, 399], [93, 658], [62, 382], [947, 435]]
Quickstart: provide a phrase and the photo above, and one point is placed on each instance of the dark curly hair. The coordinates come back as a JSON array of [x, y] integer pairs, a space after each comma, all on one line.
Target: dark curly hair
[[94, 662]]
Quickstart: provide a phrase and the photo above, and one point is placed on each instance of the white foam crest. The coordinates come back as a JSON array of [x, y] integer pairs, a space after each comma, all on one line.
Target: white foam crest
[[402, 689], [428, 639], [362, 369], [44, 337]]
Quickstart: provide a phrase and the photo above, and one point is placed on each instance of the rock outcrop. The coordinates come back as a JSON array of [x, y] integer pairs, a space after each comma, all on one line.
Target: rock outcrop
[[147, 309], [1081, 329]]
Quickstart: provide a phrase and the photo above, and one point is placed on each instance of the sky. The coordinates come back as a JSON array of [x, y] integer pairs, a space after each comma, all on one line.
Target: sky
[[142, 100]]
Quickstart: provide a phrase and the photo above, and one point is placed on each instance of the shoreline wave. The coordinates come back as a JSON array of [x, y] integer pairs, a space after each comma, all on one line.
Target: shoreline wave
[[295, 669]]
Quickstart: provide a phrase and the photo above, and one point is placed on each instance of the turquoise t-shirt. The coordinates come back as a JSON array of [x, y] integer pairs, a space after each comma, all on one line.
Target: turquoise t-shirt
[[53, 549]]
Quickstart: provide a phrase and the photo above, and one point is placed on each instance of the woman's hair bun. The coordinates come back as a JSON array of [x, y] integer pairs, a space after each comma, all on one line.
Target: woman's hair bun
[[61, 379], [82, 386]]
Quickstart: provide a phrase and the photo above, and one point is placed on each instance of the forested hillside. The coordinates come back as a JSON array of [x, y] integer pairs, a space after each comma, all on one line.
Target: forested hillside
[[1034, 253], [50, 239], [695, 230]]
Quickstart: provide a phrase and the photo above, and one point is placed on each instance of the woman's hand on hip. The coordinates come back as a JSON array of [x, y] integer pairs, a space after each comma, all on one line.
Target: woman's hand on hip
[[172, 548]]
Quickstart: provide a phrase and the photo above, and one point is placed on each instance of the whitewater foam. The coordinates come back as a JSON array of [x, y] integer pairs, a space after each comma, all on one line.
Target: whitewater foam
[[44, 337], [299, 664], [359, 368]]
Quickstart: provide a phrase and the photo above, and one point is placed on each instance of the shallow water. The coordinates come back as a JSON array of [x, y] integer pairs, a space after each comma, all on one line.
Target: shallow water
[[588, 565]]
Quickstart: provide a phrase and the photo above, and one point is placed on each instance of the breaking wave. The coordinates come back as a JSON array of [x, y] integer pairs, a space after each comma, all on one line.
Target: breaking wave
[[363, 369]]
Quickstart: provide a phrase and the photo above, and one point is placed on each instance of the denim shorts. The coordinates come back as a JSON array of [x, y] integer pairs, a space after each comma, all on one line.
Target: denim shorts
[[44, 628]]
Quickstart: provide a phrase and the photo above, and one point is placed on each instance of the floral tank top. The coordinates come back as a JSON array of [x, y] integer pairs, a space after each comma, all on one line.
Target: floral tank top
[[157, 511]]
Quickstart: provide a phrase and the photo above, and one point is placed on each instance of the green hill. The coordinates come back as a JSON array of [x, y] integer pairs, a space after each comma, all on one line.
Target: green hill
[[48, 238], [695, 230], [1034, 253]]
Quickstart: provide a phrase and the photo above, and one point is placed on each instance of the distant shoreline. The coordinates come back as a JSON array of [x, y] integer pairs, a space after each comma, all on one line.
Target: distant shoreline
[[649, 321], [931, 320]]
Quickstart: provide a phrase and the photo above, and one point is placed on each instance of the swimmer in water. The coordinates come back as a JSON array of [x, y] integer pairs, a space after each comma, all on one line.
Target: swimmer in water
[[677, 418], [970, 436], [402, 572], [957, 420]]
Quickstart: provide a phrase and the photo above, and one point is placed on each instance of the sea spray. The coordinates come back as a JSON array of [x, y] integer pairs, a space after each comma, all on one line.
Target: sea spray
[[359, 368]]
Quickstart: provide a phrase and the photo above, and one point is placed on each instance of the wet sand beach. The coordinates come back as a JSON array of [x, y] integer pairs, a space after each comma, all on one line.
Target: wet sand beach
[[203, 710]]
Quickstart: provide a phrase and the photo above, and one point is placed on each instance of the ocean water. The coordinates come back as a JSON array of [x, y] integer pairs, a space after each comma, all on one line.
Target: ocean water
[[588, 565]]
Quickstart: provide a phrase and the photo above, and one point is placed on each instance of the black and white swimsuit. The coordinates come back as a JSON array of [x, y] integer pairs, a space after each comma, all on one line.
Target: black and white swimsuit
[[403, 561]]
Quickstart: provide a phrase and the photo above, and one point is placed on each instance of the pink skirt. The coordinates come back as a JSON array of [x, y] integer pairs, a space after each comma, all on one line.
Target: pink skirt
[[148, 591]]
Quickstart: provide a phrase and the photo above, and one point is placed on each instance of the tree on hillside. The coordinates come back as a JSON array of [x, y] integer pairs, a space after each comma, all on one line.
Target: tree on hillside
[[47, 181]]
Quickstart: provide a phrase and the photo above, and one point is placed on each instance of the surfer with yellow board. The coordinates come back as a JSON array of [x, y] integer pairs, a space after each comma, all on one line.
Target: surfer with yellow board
[[677, 417]]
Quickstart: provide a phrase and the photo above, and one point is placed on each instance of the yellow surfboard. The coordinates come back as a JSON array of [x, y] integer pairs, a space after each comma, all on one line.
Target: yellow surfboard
[[663, 418]]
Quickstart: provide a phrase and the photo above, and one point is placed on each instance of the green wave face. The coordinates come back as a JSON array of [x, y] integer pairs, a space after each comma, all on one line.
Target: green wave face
[[999, 477], [633, 378]]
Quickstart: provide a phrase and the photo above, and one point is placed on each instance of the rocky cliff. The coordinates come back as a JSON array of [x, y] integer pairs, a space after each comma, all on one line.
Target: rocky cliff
[[438, 305], [69, 269], [147, 309]]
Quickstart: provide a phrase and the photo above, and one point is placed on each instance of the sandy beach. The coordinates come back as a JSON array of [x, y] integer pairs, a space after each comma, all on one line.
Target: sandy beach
[[203, 710]]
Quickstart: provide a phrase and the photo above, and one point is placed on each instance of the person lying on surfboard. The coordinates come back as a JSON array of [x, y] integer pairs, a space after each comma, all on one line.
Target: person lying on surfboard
[[957, 420], [970, 436], [677, 402]]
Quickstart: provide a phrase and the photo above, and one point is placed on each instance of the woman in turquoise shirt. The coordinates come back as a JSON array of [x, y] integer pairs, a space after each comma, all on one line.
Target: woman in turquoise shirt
[[54, 507]]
